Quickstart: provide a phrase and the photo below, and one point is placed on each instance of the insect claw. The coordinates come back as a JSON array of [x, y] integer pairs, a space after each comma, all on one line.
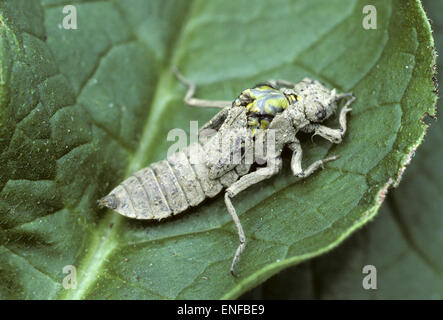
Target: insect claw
[[312, 137], [299, 175]]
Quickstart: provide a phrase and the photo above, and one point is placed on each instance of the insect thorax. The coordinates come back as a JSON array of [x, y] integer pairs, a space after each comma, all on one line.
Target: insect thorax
[[262, 103]]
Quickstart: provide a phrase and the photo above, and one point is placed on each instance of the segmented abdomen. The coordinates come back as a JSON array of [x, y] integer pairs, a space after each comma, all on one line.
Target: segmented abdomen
[[167, 187]]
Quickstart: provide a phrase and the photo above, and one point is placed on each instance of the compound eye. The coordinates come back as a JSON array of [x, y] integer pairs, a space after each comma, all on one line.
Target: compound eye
[[320, 114]]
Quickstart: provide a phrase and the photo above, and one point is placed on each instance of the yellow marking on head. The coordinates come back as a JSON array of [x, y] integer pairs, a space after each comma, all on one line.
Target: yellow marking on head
[[264, 124], [254, 108], [253, 122], [281, 103]]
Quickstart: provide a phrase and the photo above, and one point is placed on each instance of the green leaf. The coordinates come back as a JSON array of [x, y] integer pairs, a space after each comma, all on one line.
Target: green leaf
[[404, 242], [83, 109]]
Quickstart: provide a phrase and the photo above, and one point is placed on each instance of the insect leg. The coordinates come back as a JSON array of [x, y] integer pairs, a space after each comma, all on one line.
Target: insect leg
[[296, 161], [345, 95], [231, 117], [194, 102], [245, 182], [333, 135], [241, 234]]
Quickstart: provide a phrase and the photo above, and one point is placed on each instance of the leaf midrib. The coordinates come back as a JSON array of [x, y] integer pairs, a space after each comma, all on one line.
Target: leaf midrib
[[104, 240]]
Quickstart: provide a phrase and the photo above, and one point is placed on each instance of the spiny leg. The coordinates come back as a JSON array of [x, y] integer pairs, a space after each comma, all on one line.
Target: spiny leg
[[245, 182], [296, 161], [216, 121], [194, 102]]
